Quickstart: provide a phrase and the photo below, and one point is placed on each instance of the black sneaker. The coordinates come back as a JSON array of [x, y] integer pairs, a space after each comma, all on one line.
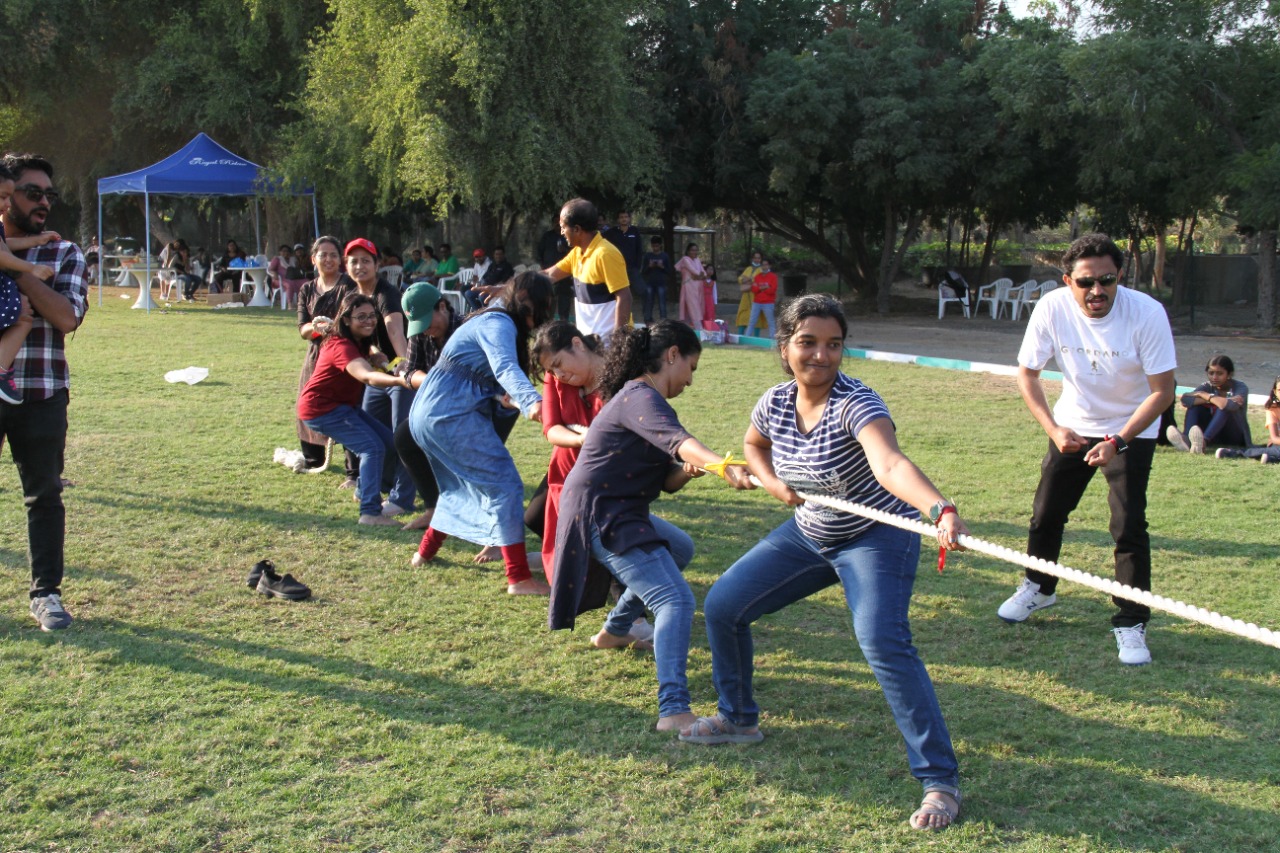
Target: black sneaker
[[255, 574], [283, 587], [8, 390]]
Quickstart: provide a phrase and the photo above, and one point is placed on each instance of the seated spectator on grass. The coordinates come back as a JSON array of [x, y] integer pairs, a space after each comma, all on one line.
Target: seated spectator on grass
[[1215, 411], [1269, 452], [330, 402]]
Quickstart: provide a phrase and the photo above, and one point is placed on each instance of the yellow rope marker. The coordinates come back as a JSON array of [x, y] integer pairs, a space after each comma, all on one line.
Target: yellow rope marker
[[718, 468]]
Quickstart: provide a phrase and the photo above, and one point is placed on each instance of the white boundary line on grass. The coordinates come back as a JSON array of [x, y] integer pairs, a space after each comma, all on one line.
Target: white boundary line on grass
[[944, 363]]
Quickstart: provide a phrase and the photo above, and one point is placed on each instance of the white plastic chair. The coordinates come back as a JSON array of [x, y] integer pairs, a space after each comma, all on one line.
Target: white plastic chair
[[993, 294], [1020, 295], [1029, 301], [963, 301], [168, 284], [393, 274], [450, 288]]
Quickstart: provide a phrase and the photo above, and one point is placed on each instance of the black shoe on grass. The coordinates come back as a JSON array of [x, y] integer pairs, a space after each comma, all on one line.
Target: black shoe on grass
[[255, 574], [283, 587]]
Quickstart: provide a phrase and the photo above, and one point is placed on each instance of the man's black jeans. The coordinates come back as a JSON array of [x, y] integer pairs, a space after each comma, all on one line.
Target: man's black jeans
[[1063, 479], [37, 434]]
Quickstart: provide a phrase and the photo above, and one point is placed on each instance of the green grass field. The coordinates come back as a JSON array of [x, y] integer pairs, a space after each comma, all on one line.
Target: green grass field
[[408, 710]]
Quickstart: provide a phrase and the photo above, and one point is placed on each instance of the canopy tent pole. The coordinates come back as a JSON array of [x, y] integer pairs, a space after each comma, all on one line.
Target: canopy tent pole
[[257, 227], [102, 251], [315, 214], [146, 243]]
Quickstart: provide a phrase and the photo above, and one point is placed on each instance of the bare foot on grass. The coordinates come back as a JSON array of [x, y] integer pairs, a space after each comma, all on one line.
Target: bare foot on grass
[[676, 722], [532, 586], [605, 640], [422, 522], [489, 554]]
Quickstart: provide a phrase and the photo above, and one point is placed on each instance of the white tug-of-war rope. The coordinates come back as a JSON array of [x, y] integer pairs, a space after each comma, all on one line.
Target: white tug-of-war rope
[[1248, 630]]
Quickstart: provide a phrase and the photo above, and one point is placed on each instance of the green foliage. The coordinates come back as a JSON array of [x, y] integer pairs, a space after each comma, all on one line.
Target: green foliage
[[494, 104], [934, 254]]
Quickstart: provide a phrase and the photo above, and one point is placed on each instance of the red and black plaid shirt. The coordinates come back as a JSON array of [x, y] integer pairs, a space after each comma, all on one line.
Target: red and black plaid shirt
[[40, 369]]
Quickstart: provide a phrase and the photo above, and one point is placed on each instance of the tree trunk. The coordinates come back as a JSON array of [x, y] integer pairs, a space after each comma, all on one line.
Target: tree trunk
[[88, 212], [1157, 272], [1266, 280], [988, 249], [883, 292], [157, 228]]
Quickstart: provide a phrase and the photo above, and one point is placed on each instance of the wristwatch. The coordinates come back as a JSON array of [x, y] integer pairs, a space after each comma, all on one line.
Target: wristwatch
[[1117, 442], [940, 509]]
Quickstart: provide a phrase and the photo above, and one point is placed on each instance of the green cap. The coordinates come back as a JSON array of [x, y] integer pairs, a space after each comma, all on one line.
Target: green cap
[[418, 302]]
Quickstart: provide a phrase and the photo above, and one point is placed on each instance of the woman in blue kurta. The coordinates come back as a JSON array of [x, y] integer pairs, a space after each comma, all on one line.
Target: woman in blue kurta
[[483, 366]]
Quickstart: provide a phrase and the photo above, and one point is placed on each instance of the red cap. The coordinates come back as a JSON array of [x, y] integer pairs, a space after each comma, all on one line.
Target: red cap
[[361, 243], [478, 253]]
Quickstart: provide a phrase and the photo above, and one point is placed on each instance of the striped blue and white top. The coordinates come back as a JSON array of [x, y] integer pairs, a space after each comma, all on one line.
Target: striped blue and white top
[[828, 460]]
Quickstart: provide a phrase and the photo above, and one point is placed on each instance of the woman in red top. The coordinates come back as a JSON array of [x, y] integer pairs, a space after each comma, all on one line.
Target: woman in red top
[[573, 365], [330, 401]]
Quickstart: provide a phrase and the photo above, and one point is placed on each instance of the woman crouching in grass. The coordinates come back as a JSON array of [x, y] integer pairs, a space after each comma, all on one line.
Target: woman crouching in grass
[[330, 401], [826, 433]]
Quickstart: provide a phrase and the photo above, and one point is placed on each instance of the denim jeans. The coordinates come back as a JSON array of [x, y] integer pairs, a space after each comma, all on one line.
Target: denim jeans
[[1217, 425], [390, 407], [655, 296], [1063, 479], [652, 576], [765, 308], [877, 571], [372, 442], [37, 433]]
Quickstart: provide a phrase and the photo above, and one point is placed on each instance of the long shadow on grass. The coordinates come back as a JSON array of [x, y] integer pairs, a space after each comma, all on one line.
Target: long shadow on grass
[[531, 717]]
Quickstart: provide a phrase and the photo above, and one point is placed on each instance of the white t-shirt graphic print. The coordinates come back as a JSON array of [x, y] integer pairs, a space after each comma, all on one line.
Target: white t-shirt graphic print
[[1105, 362]]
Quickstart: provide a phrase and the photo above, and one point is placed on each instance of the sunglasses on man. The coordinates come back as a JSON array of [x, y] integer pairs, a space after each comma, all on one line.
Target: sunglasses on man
[[1087, 283], [35, 193]]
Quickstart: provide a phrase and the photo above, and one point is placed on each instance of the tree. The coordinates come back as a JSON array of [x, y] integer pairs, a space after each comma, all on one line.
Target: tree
[[502, 106]]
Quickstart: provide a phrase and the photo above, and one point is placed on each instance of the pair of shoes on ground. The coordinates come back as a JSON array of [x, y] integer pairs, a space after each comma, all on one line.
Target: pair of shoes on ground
[[49, 612], [264, 579], [1027, 599], [1195, 436]]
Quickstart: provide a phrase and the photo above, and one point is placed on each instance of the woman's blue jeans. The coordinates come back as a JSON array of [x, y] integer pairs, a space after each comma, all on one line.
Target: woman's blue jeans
[[390, 406], [364, 436], [1217, 426], [876, 570], [652, 577]]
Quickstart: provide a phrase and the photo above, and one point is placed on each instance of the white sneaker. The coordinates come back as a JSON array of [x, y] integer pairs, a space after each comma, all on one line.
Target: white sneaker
[[1025, 601], [1197, 439], [1176, 439], [392, 508], [1132, 643]]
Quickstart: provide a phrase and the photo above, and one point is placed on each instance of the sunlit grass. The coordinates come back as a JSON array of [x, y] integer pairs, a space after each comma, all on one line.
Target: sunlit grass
[[426, 710]]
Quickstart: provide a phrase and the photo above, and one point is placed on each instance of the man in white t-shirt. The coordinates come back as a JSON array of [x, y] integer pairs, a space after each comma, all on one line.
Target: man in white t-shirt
[[1115, 350]]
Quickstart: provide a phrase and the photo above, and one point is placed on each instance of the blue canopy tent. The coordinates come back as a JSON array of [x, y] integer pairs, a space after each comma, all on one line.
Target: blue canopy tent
[[200, 168]]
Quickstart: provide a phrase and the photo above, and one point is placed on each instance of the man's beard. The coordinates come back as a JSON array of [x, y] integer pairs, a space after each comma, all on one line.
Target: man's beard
[[24, 222]]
